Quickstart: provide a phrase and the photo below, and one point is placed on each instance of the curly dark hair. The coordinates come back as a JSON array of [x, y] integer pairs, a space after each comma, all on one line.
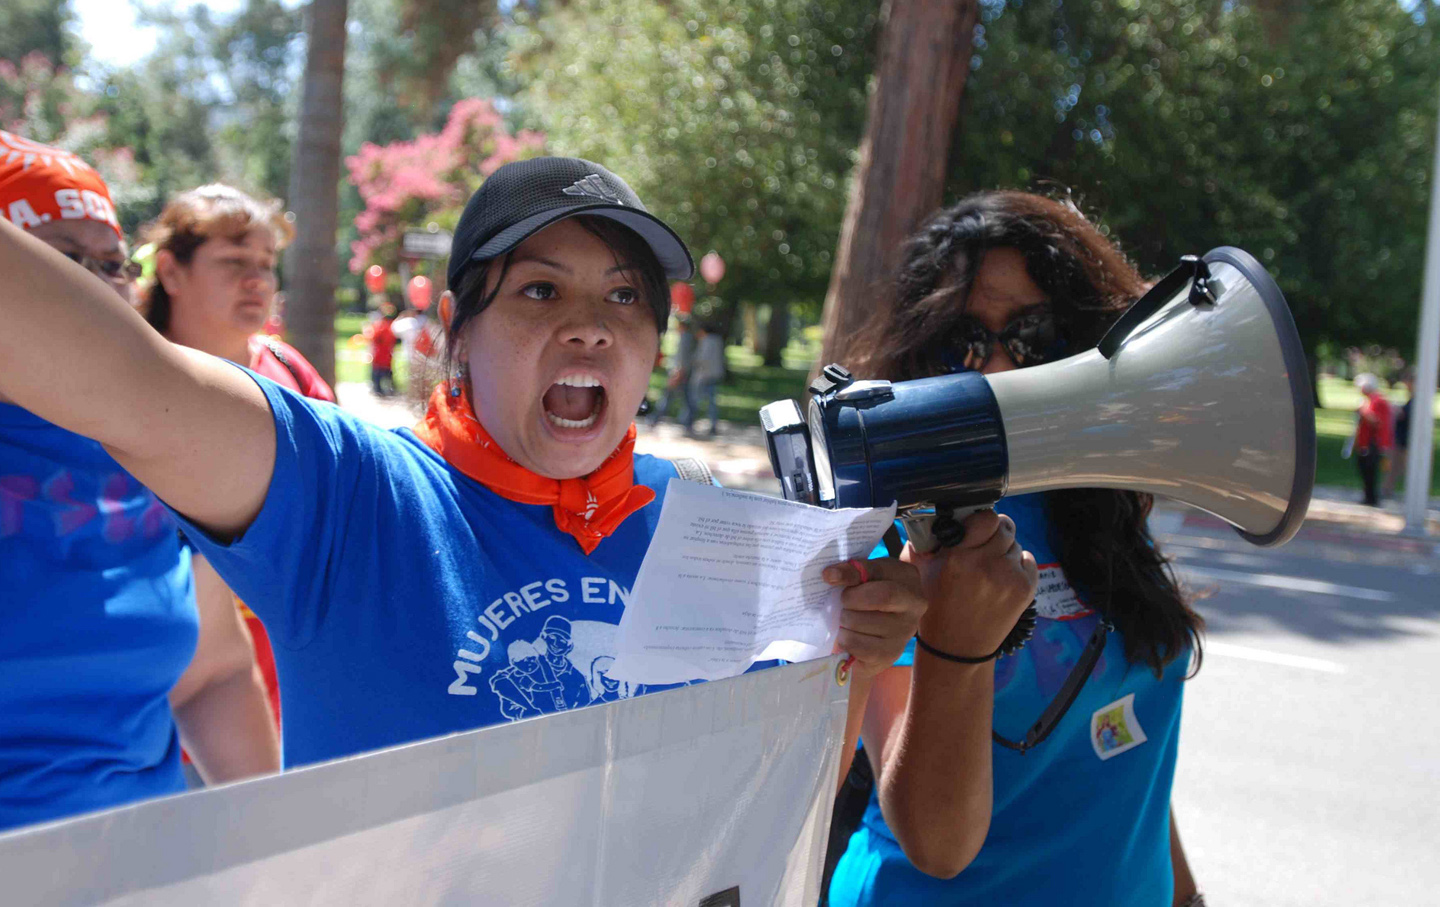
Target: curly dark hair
[[1101, 535]]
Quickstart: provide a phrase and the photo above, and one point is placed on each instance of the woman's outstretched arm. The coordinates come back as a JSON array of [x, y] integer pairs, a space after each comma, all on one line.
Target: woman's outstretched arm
[[194, 429]]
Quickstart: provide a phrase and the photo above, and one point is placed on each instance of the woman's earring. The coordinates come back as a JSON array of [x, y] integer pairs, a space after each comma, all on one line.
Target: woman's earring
[[462, 378]]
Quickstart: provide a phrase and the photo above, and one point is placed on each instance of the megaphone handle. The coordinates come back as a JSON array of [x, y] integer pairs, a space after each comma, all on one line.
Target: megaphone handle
[[933, 531]]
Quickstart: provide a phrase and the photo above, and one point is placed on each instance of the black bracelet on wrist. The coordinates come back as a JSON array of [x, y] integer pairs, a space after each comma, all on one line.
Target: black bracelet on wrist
[[959, 659]]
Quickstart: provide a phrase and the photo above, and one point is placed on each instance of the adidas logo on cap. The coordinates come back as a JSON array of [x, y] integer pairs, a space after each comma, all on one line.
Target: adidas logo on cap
[[594, 187]]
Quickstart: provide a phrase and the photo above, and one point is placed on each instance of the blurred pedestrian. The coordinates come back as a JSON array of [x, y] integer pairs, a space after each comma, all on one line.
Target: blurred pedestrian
[[706, 375], [677, 376], [1399, 459], [1374, 436], [381, 334], [105, 652]]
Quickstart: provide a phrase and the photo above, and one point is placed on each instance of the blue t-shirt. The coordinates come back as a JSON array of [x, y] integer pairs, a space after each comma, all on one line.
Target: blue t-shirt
[[1081, 819], [97, 622], [406, 600]]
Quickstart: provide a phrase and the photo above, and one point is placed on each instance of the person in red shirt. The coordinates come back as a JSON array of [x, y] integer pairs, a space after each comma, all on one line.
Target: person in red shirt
[[381, 334], [214, 289], [1374, 436]]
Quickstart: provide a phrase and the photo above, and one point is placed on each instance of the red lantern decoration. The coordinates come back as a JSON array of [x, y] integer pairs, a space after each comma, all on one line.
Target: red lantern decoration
[[375, 279], [712, 267], [418, 292]]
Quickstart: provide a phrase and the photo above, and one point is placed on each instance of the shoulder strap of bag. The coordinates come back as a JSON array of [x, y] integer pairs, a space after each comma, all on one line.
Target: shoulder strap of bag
[[693, 470], [279, 354]]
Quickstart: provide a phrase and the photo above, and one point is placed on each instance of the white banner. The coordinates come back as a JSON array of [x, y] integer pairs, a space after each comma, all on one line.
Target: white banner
[[717, 794]]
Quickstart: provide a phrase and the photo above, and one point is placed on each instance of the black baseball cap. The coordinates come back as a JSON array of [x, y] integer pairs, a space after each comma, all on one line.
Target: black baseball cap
[[524, 197]]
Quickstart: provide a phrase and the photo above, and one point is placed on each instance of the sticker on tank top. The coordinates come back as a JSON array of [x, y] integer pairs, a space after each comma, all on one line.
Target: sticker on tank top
[[1054, 598], [1114, 729]]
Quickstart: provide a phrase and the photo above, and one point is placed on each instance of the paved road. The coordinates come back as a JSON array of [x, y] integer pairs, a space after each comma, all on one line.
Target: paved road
[[1310, 751]]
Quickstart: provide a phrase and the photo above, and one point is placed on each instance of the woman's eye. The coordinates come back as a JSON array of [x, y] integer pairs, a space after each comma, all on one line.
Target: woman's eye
[[540, 291], [624, 296]]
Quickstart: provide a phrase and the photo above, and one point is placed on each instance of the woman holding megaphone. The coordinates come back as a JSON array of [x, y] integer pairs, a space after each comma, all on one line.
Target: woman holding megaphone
[[1076, 801]]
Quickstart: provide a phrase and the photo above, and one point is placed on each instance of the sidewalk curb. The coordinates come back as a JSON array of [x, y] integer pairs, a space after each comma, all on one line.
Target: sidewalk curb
[[1324, 531]]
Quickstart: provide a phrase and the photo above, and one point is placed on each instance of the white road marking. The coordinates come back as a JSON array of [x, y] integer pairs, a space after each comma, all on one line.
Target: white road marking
[[1293, 583], [1230, 650]]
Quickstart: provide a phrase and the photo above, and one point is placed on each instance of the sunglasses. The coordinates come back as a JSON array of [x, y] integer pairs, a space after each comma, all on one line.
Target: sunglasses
[[1031, 339], [108, 268]]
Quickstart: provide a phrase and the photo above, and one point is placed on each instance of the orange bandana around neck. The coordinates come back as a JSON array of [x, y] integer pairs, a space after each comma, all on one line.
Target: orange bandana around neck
[[588, 508]]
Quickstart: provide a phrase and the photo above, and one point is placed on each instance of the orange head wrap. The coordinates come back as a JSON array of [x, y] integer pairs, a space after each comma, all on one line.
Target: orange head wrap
[[39, 184]]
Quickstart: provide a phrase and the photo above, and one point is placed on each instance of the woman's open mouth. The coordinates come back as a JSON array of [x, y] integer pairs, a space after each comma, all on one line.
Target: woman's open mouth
[[574, 402]]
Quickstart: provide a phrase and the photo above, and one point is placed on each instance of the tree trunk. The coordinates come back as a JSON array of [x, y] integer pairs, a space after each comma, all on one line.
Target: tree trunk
[[900, 179], [777, 333], [311, 266]]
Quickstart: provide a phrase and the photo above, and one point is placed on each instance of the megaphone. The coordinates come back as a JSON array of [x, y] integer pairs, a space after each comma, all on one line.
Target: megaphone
[[1198, 393]]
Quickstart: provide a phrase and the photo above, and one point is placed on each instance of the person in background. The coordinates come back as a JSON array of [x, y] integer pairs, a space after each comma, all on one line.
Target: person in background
[[1070, 808], [216, 250], [705, 377], [99, 620], [381, 334], [1374, 436], [677, 376], [215, 253], [1398, 459]]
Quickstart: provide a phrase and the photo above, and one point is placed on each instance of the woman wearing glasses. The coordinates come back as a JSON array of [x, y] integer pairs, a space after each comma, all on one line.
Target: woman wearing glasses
[[98, 616], [1076, 802]]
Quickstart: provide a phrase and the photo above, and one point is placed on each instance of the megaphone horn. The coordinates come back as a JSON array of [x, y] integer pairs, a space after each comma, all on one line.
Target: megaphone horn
[[1199, 393]]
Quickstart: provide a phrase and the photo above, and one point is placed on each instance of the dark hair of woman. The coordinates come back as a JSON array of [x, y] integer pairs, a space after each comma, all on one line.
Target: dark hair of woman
[[1101, 536], [625, 244]]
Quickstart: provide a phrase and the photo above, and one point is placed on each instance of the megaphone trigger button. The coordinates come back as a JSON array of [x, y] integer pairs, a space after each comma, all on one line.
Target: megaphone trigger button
[[948, 531]]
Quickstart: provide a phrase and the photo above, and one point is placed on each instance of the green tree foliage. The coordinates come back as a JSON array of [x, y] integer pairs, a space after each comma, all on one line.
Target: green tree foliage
[[402, 65], [1306, 139], [36, 27], [214, 101], [41, 101], [737, 122]]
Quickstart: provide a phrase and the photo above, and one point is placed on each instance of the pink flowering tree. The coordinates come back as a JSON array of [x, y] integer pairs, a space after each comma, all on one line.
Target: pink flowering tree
[[406, 185]]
